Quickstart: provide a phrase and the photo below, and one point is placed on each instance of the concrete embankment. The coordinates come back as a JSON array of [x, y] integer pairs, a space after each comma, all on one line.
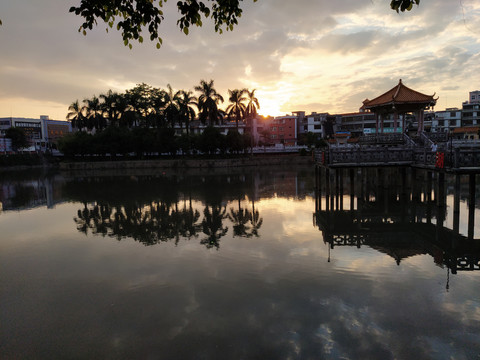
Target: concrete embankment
[[254, 161]]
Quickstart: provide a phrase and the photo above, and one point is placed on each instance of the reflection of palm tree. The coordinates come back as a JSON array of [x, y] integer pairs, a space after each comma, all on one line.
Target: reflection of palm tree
[[212, 225], [240, 218], [255, 220], [189, 217], [149, 224]]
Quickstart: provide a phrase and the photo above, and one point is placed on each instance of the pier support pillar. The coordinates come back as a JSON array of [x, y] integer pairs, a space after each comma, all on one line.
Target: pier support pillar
[[352, 189], [456, 205], [471, 206]]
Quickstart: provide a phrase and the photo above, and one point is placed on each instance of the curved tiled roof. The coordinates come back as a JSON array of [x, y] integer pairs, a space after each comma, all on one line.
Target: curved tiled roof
[[400, 94]]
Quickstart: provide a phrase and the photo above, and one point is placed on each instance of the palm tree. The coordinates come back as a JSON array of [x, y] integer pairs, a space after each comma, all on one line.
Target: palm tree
[[208, 102], [75, 115], [237, 107], [171, 105], [109, 106], [93, 113], [186, 111], [125, 113], [253, 104], [158, 102]]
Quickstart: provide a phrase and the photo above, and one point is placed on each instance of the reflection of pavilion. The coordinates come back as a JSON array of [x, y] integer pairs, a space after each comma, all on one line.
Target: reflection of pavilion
[[397, 213]]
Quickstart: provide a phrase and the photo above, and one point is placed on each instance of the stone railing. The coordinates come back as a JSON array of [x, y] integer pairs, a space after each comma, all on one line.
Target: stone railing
[[438, 136], [368, 156], [382, 139], [402, 155]]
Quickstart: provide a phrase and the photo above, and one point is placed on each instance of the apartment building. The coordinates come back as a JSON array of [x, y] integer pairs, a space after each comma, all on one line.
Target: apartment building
[[282, 130], [446, 120]]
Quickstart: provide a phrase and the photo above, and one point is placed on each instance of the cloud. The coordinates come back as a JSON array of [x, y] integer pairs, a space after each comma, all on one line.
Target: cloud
[[330, 53]]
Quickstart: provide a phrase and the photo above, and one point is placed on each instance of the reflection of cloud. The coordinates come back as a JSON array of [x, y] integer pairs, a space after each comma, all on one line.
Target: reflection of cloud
[[271, 297]]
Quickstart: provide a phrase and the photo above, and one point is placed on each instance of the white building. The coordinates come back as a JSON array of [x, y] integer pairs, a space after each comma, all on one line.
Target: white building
[[40, 132], [446, 120]]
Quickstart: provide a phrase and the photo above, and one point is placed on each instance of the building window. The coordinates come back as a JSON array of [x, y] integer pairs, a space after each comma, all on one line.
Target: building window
[[280, 128], [273, 136], [274, 128], [453, 114]]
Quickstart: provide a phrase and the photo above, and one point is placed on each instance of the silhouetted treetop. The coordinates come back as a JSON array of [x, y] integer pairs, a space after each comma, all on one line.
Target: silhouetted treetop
[[131, 17]]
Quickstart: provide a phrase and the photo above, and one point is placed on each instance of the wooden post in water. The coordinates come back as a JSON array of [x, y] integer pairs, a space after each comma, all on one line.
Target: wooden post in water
[[441, 189], [456, 205], [427, 198], [403, 193], [415, 186], [441, 201], [316, 188], [352, 190], [341, 188], [319, 188], [327, 189], [471, 206]]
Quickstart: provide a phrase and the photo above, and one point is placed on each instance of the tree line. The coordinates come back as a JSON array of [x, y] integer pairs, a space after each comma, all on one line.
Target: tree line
[[145, 106], [145, 142], [144, 119]]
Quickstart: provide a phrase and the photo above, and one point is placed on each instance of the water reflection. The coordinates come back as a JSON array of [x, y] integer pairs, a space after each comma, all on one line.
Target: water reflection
[[181, 209], [397, 211], [268, 293]]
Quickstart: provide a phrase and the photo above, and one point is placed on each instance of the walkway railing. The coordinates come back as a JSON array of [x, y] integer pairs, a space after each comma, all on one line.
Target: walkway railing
[[457, 158]]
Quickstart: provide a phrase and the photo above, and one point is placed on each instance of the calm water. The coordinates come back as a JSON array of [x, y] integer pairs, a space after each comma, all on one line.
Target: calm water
[[249, 265]]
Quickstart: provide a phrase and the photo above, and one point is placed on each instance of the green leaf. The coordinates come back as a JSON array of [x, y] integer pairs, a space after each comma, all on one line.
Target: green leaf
[[185, 30], [158, 45]]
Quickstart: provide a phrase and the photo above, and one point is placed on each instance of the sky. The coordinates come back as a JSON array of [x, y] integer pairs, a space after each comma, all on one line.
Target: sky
[[302, 55]]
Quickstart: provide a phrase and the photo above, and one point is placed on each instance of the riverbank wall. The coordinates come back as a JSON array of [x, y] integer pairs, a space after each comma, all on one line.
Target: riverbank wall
[[259, 161]]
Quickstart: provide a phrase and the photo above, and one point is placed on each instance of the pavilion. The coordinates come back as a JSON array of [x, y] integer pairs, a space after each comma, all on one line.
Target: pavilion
[[399, 101]]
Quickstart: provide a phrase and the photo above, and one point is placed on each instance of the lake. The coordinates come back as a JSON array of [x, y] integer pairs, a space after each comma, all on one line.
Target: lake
[[239, 264]]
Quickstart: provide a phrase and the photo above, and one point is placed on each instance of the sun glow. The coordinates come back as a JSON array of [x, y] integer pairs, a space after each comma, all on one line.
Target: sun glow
[[273, 101], [269, 107]]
